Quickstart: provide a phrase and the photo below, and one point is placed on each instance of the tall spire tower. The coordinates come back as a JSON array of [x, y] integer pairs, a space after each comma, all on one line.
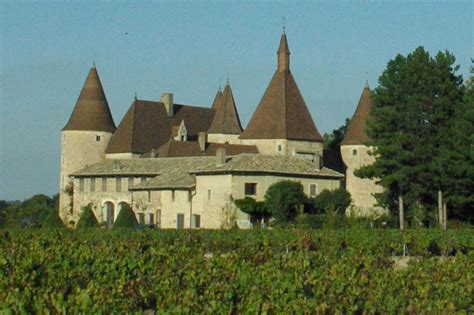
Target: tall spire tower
[[84, 138], [282, 123]]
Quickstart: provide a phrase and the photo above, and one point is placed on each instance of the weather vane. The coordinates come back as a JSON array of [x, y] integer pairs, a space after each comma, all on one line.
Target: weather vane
[[284, 24]]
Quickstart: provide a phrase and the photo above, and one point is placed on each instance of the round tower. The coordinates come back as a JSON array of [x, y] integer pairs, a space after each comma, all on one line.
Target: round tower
[[355, 154], [84, 138]]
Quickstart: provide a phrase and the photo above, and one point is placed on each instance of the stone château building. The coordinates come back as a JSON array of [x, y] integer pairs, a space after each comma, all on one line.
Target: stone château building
[[181, 166]]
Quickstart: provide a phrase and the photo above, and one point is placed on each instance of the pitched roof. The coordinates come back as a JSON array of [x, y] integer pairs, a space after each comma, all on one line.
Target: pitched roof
[[146, 125], [191, 148], [226, 119], [356, 133], [282, 112], [271, 164], [217, 99], [92, 111]]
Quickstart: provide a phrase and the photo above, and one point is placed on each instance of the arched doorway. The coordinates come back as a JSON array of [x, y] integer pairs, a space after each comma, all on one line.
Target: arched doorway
[[109, 214]]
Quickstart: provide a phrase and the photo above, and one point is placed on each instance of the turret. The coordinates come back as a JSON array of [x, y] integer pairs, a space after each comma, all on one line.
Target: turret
[[84, 138], [355, 154], [225, 126], [282, 123]]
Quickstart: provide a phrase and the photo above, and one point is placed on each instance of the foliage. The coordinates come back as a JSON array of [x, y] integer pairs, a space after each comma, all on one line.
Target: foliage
[[285, 200], [340, 199], [256, 209], [52, 220], [29, 213], [257, 271], [332, 141], [414, 114], [87, 219], [126, 218]]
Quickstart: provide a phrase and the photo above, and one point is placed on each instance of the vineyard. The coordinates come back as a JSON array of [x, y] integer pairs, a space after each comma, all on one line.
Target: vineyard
[[260, 271]]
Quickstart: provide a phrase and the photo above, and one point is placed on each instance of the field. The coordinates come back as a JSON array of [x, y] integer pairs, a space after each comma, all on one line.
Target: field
[[277, 271]]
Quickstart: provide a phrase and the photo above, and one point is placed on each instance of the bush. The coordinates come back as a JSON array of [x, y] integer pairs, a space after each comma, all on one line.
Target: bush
[[52, 220], [285, 200], [339, 198], [126, 218], [256, 209], [87, 219]]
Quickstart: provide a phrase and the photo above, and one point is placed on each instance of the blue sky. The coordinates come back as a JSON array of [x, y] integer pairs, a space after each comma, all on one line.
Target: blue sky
[[189, 48]]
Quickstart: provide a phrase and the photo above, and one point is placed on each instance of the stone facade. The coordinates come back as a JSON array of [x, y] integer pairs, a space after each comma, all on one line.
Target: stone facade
[[362, 190]]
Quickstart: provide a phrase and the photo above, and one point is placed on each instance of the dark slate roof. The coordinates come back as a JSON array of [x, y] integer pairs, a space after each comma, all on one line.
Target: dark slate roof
[[226, 119], [92, 111], [356, 133], [191, 148], [146, 125], [282, 112]]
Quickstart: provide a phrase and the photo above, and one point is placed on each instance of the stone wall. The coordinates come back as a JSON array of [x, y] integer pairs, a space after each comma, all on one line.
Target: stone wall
[[78, 149], [361, 190]]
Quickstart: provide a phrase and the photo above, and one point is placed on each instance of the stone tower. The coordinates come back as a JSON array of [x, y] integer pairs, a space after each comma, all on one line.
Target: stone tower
[[282, 124], [225, 126], [355, 154], [84, 138]]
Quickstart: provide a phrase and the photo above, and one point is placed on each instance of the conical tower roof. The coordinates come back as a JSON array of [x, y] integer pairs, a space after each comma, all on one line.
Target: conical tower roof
[[218, 99], [356, 130], [92, 111], [282, 112], [226, 119]]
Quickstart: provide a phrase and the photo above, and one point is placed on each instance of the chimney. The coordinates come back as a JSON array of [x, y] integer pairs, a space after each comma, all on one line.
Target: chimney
[[153, 153], [167, 100], [202, 139], [220, 154]]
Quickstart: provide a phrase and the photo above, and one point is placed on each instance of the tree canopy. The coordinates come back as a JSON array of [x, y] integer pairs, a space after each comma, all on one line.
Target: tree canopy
[[87, 219], [285, 200], [126, 218], [418, 111]]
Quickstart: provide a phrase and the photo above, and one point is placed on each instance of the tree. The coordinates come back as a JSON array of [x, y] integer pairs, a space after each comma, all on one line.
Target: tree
[[256, 209], [332, 141], [413, 108], [52, 220], [285, 200], [338, 199], [87, 219], [126, 218]]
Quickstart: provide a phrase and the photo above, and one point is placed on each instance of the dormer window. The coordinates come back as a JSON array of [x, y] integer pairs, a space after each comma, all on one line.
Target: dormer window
[[180, 133]]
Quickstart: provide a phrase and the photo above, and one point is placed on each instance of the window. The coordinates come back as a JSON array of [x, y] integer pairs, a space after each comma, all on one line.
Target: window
[[172, 195], [104, 183], [81, 184], [190, 195], [180, 221], [158, 218], [354, 152], [151, 218], [93, 184], [141, 218], [306, 156], [118, 184], [250, 188], [208, 194], [149, 195], [130, 182], [313, 190], [279, 148], [196, 221], [97, 138]]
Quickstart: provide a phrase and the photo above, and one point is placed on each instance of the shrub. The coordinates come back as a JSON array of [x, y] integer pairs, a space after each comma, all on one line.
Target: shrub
[[126, 218], [87, 219], [339, 198], [52, 220], [285, 200], [256, 209]]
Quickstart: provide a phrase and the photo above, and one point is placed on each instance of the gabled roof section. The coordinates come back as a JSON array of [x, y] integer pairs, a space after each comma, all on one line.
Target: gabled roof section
[[146, 125], [92, 111], [282, 112], [226, 119], [356, 130]]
